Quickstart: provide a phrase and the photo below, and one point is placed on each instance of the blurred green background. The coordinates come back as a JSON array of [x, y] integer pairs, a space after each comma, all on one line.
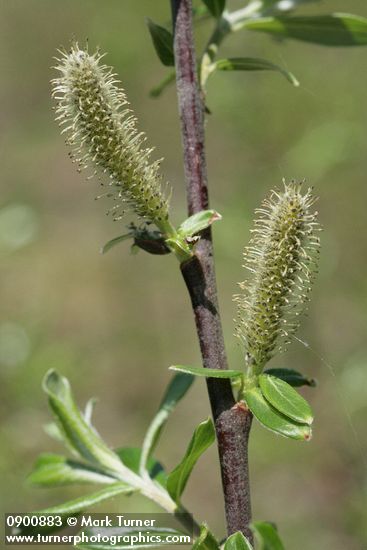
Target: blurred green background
[[114, 323]]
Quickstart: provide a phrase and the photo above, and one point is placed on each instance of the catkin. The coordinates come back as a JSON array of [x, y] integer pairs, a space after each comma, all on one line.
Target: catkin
[[101, 130], [282, 259]]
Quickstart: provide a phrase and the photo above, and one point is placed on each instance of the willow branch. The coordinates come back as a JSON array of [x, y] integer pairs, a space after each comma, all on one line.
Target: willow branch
[[232, 421]]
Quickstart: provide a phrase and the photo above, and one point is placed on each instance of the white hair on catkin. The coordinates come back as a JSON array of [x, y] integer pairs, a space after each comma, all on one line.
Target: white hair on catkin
[[282, 259], [101, 130]]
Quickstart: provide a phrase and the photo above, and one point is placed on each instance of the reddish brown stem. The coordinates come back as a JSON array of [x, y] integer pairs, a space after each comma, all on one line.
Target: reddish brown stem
[[232, 421]]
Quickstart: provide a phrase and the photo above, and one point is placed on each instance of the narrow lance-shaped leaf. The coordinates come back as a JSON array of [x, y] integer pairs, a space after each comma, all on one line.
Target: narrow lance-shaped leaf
[[163, 43], [83, 503], [272, 419], [253, 64], [267, 536], [207, 373], [53, 470], [337, 29], [79, 435], [293, 377], [285, 399], [237, 541], [202, 438], [176, 390], [53, 429]]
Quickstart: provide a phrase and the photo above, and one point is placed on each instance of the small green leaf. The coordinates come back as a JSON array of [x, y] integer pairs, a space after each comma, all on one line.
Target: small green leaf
[[53, 470], [267, 536], [237, 541], [293, 377], [272, 419], [197, 222], [285, 399], [202, 438], [337, 29], [206, 540], [253, 64], [176, 390], [85, 502], [216, 7], [113, 242], [163, 43], [207, 373], [113, 534], [76, 431], [179, 246]]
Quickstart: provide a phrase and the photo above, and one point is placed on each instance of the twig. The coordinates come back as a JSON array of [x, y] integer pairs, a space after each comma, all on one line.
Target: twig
[[232, 421]]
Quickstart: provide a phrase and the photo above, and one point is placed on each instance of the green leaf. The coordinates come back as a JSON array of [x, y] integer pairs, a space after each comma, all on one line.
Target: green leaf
[[337, 29], [293, 377], [77, 432], [267, 536], [216, 7], [285, 399], [163, 43], [202, 438], [197, 222], [272, 419], [85, 502], [112, 533], [206, 540], [176, 390], [113, 242], [180, 247], [237, 541], [207, 373], [253, 64], [53, 470]]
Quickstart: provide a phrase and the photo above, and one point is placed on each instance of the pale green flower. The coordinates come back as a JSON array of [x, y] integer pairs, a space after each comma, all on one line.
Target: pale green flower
[[102, 132], [282, 257]]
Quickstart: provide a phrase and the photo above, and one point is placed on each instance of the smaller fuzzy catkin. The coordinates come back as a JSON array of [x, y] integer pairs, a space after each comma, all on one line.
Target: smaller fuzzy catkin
[[101, 130], [282, 258]]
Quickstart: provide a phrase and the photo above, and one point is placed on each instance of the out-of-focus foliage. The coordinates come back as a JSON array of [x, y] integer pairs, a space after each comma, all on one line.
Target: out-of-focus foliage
[[104, 320]]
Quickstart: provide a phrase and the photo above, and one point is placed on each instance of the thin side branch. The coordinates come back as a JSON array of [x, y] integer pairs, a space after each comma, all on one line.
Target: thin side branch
[[232, 421]]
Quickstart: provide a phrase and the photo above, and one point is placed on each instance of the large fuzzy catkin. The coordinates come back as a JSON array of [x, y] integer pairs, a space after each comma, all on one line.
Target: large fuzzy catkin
[[282, 258], [101, 130]]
